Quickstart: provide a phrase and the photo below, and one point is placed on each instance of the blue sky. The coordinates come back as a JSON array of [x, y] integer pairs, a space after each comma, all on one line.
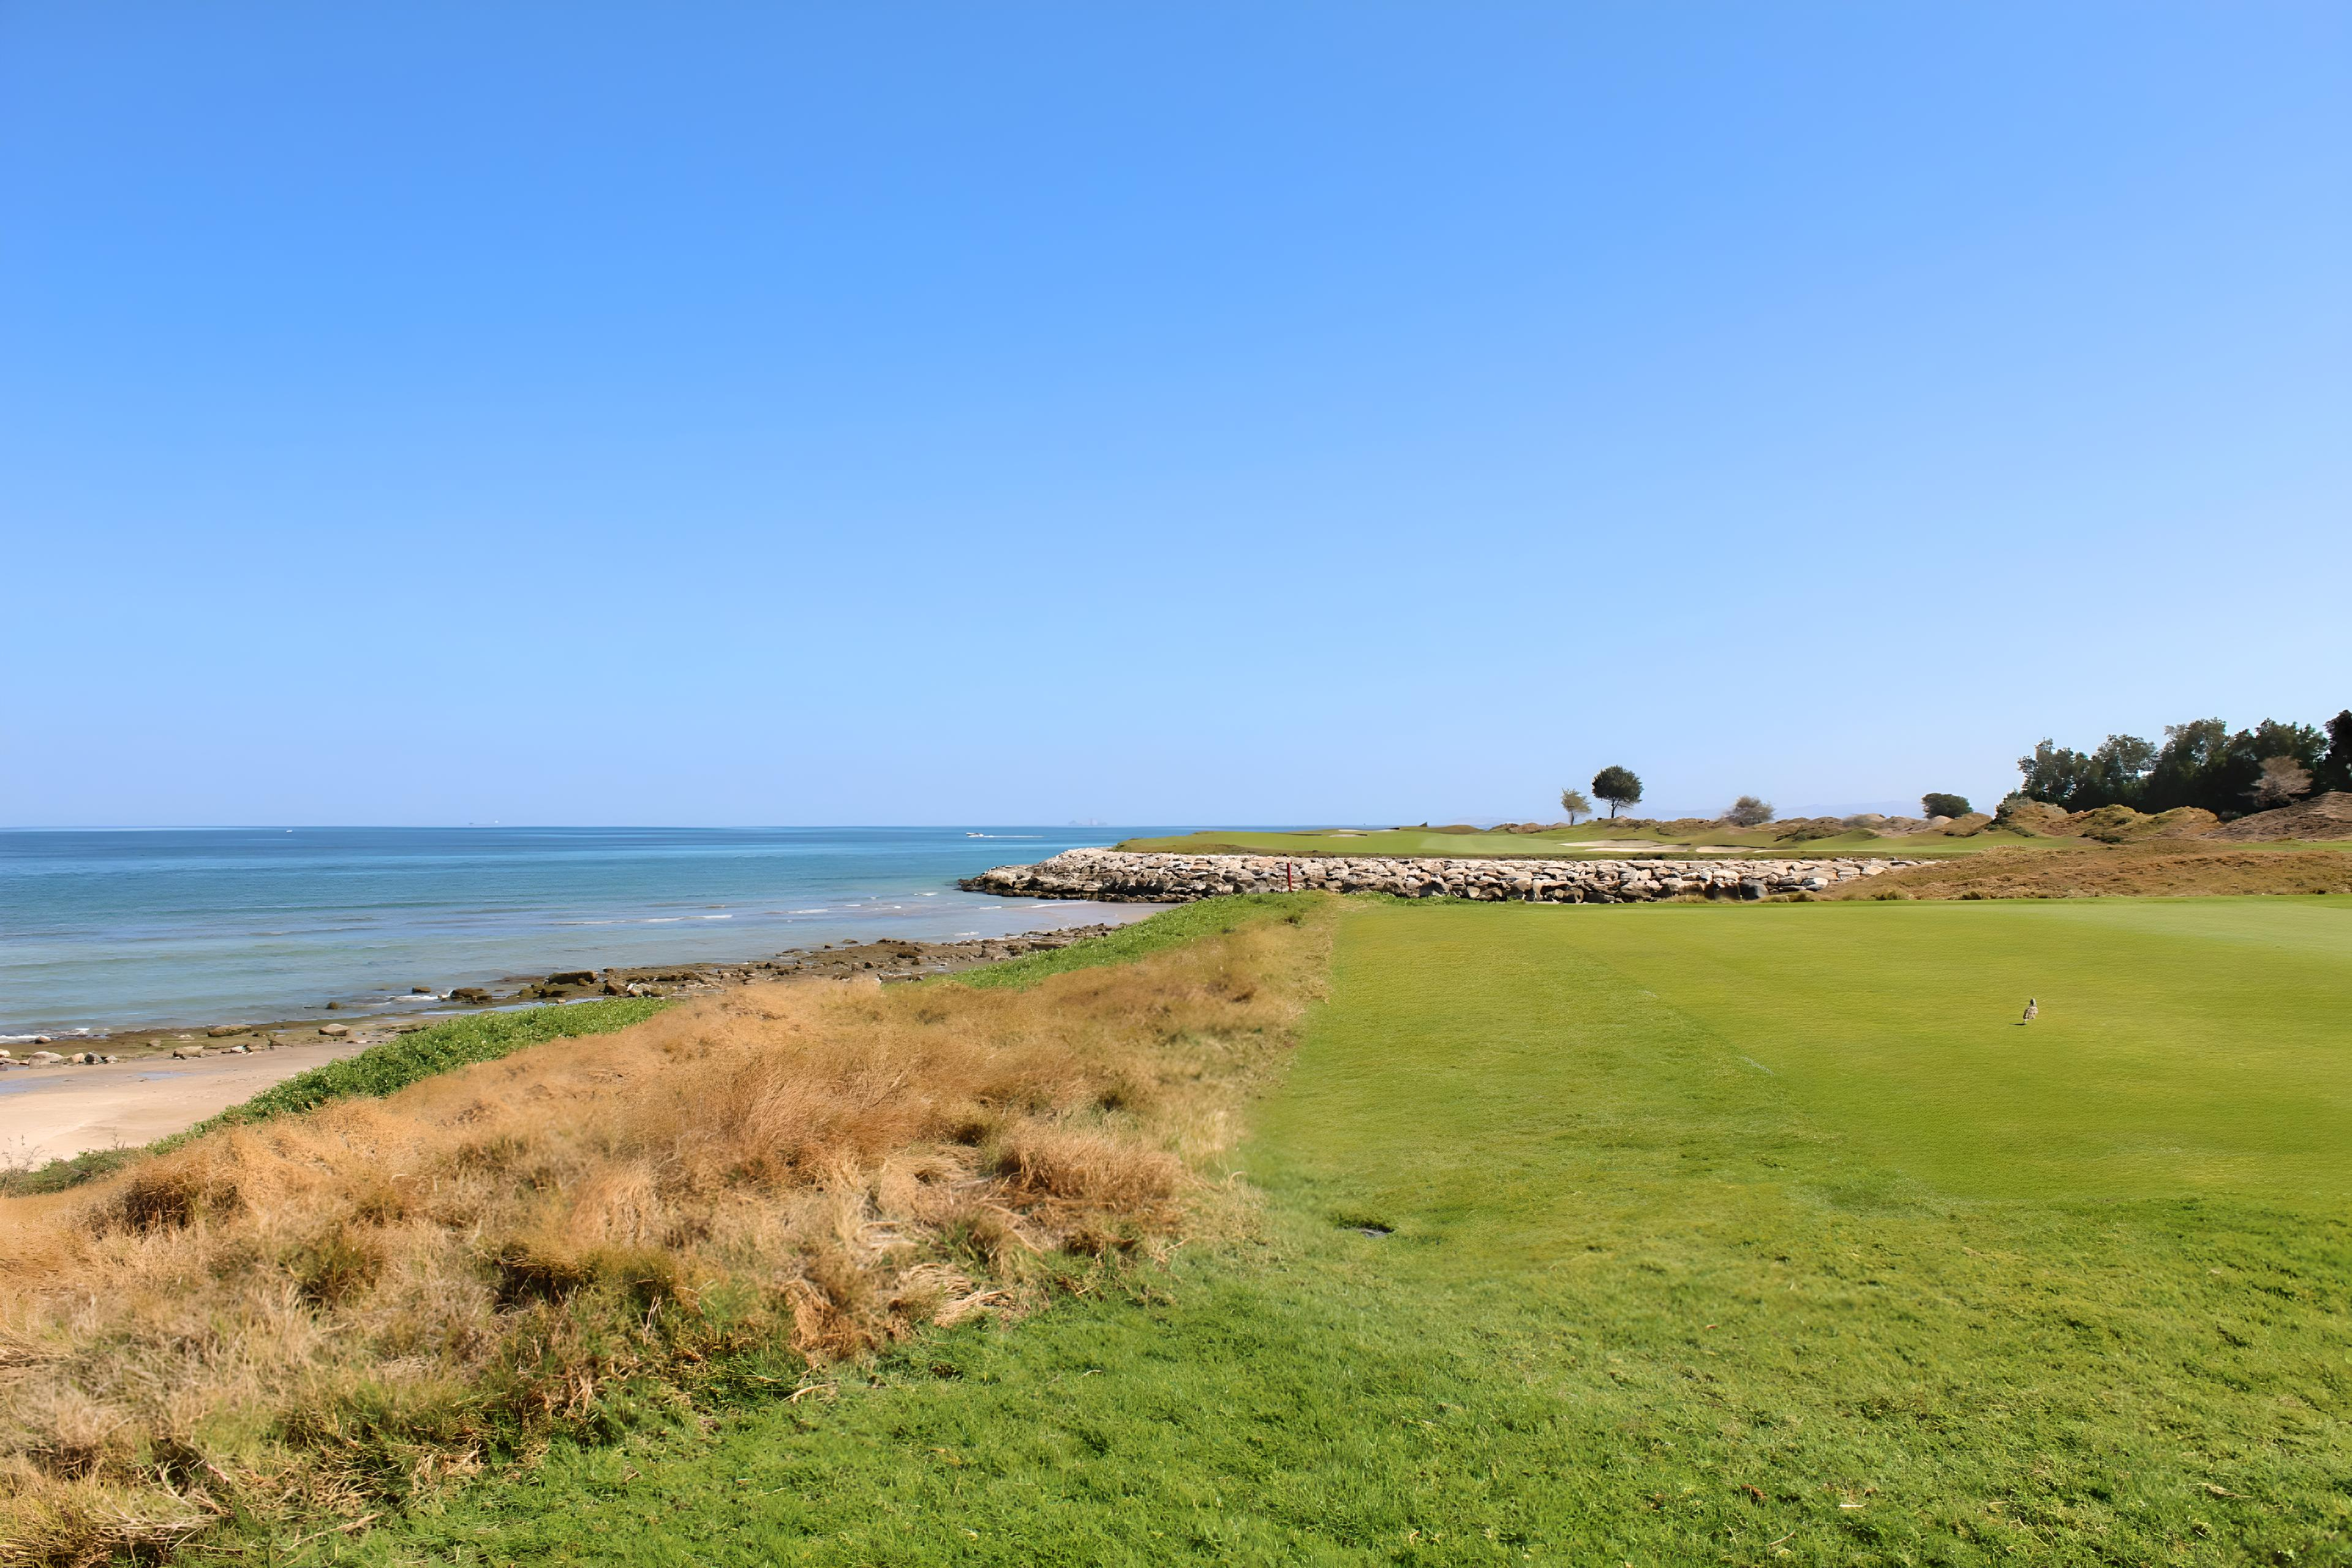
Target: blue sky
[[734, 413]]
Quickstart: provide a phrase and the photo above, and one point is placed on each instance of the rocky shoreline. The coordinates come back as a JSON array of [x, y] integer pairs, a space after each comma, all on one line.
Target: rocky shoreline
[[887, 959], [1121, 877]]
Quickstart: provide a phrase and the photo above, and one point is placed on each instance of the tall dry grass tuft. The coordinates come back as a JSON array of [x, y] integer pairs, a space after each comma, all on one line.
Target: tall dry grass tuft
[[327, 1314], [2160, 869]]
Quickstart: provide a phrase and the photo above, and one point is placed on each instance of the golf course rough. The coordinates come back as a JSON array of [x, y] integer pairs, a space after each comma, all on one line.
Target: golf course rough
[[1716, 1235]]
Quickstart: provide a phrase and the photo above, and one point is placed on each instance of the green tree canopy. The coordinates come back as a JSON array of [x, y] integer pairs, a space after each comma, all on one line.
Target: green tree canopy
[[1573, 802], [1618, 786], [2335, 770], [2111, 775], [1935, 803], [2200, 764]]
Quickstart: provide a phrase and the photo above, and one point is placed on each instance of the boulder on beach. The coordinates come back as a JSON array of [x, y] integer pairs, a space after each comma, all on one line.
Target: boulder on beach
[[336, 1030], [573, 977], [222, 1031], [469, 993]]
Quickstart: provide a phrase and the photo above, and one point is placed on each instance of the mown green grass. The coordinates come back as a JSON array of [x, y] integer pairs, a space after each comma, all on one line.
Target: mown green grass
[[1168, 929], [1429, 844], [1720, 1235]]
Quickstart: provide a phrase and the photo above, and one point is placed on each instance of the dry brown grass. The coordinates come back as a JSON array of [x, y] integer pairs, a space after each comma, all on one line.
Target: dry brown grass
[[2159, 868], [320, 1316]]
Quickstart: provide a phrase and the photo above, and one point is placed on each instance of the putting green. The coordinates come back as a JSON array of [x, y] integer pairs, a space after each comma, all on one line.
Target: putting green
[[2181, 1047]]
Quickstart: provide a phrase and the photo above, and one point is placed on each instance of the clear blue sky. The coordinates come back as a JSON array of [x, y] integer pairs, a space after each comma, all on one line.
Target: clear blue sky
[[748, 413]]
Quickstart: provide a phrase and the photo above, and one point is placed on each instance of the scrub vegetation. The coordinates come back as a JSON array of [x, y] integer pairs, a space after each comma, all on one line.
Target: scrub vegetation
[[377, 1070], [331, 1307], [421, 1054], [1624, 838], [2023, 825], [2159, 870]]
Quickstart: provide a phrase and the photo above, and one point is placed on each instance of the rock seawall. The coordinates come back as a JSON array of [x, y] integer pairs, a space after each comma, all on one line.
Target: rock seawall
[[1120, 878]]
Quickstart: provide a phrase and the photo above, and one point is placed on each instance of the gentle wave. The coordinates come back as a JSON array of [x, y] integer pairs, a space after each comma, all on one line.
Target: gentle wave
[[110, 930]]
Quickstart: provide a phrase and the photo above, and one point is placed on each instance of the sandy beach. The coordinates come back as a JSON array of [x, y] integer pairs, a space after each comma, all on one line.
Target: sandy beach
[[56, 1114]]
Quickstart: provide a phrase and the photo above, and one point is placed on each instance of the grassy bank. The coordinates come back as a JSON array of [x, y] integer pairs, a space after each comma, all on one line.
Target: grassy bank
[[378, 1070], [1169, 928], [1713, 1235], [341, 1303]]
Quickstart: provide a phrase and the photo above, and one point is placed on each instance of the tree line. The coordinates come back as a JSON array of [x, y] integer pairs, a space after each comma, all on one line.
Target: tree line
[[2199, 764], [1622, 786]]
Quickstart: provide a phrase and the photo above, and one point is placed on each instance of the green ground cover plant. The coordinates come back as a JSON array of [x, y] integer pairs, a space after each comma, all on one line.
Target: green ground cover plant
[[57, 1175], [1653, 1234]]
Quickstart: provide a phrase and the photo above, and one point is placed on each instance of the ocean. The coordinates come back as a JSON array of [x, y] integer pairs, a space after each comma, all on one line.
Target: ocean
[[130, 928]]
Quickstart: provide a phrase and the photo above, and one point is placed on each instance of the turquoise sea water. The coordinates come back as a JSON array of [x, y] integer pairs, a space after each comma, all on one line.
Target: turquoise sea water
[[103, 930]]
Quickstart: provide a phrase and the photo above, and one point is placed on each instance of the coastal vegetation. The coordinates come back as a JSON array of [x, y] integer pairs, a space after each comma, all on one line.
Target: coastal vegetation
[[2155, 867], [2020, 824], [1661, 1232], [393, 1066], [1625, 835], [2202, 764], [1665, 1235], [378, 1070], [323, 1312]]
